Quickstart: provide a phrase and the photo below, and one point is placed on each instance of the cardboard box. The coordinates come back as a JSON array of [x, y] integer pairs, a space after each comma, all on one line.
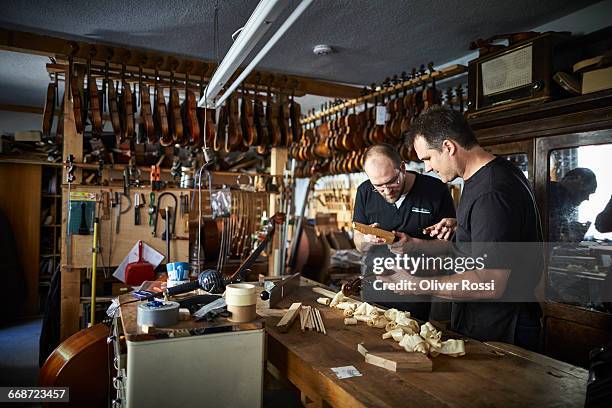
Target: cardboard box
[[597, 80]]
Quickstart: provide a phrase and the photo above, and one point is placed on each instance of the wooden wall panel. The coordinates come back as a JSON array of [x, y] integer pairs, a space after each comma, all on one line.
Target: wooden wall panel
[[20, 189]]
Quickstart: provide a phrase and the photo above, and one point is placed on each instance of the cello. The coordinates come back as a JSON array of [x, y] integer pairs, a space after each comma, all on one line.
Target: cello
[[307, 252], [82, 363]]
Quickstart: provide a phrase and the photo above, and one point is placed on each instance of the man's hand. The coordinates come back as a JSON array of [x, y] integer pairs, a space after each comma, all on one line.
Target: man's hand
[[373, 239], [443, 229], [404, 243]]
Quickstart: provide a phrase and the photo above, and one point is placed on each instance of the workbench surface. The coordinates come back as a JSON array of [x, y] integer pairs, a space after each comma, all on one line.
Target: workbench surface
[[490, 374]]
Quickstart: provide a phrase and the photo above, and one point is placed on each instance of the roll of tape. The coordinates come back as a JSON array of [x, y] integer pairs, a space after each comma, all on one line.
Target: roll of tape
[[158, 314], [241, 300], [239, 289]]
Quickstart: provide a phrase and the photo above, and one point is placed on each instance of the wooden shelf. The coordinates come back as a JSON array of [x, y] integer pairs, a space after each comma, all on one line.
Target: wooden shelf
[[99, 299], [51, 195]]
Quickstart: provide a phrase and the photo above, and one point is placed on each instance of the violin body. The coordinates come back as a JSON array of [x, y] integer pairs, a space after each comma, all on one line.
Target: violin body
[[273, 126], [49, 111], [128, 112], [296, 126], [190, 120], [260, 123], [59, 131], [77, 104], [113, 109], [221, 133], [176, 121], [285, 130], [234, 130], [160, 118], [247, 122], [147, 115], [207, 123], [82, 363], [94, 107]]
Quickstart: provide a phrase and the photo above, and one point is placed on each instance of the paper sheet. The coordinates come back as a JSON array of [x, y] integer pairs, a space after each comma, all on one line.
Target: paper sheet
[[148, 254], [346, 372]]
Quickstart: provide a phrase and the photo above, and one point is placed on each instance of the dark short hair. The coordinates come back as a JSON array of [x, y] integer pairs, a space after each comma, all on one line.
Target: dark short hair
[[386, 150], [580, 177], [438, 123]]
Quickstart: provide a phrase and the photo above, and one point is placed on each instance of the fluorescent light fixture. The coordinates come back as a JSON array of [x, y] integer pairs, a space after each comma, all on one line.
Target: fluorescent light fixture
[[257, 25], [262, 53]]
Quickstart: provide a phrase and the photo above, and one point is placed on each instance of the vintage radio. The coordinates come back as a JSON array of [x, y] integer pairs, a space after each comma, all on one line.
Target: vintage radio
[[517, 75]]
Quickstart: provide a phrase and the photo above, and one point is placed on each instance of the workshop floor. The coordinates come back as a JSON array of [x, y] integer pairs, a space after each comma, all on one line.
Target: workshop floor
[[19, 353]]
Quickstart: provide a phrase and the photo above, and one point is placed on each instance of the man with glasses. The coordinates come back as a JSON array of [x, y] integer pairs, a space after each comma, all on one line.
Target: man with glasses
[[402, 201]]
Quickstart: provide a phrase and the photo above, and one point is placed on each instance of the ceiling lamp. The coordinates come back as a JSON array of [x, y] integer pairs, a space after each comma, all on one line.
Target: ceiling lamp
[[258, 24]]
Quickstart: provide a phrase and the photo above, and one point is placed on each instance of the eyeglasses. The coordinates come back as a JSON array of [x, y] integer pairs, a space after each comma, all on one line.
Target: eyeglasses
[[390, 185]]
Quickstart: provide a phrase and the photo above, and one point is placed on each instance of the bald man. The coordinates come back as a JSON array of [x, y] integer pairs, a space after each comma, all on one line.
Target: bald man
[[402, 201]]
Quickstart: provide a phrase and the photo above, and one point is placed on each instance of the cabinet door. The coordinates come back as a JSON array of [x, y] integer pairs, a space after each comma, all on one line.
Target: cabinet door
[[574, 188], [20, 203]]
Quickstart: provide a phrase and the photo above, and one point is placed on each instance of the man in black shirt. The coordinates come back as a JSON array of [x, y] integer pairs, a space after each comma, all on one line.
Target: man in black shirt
[[497, 207], [395, 199]]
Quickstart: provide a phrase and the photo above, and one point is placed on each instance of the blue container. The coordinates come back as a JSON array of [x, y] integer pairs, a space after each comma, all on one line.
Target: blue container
[[178, 270]]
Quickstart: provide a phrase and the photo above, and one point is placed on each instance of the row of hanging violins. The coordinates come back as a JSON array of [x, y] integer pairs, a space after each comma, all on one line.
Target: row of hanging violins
[[337, 144], [243, 120]]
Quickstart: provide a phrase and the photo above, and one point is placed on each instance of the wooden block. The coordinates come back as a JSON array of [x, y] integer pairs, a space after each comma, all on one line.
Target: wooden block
[[289, 317], [283, 288], [361, 349], [400, 361], [388, 236]]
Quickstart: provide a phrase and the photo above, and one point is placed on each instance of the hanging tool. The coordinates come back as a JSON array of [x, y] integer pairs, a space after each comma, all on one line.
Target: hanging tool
[[172, 215], [152, 210], [69, 164], [184, 200], [83, 228], [166, 234], [126, 181], [139, 202], [119, 211], [156, 183], [105, 203], [95, 248]]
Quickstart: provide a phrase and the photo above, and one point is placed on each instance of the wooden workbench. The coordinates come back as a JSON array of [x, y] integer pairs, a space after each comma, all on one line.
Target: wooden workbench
[[490, 374]]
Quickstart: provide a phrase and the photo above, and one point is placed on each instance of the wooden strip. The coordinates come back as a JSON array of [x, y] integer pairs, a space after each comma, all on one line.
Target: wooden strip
[[388, 236], [316, 320], [302, 319], [289, 317], [400, 361], [321, 321]]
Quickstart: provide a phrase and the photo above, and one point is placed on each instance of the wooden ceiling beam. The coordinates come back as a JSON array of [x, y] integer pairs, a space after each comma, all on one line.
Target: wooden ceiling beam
[[21, 108], [62, 49]]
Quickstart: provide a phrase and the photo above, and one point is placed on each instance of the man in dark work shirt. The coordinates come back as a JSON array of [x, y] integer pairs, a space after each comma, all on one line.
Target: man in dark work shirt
[[395, 199], [496, 206]]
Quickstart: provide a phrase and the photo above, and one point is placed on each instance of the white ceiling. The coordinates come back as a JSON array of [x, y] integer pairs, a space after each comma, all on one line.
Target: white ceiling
[[373, 39]]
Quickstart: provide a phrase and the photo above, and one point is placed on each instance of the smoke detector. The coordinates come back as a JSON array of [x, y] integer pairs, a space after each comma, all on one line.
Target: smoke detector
[[322, 49]]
